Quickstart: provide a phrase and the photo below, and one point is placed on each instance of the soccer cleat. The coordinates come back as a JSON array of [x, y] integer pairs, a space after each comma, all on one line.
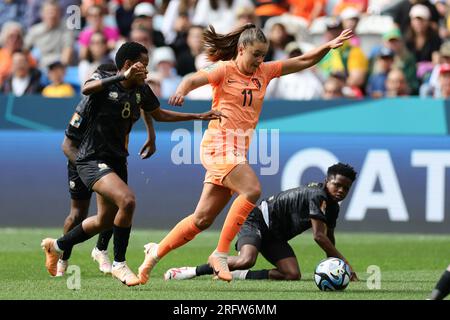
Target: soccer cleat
[[61, 267], [122, 272], [218, 261], [51, 255], [182, 273], [101, 256], [149, 263]]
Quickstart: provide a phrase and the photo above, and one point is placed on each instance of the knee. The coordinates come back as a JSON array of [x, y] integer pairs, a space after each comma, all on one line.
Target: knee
[[253, 193], [128, 203], [246, 262], [202, 221]]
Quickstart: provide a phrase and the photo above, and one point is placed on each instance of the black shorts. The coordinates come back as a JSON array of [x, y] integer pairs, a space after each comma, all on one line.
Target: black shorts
[[255, 232], [77, 189], [91, 171]]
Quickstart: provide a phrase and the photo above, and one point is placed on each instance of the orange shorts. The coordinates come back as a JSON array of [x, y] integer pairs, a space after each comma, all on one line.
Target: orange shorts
[[220, 156]]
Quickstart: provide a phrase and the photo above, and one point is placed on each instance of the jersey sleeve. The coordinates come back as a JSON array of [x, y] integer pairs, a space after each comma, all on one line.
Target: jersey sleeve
[[149, 102], [317, 207], [78, 123], [215, 73], [75, 128], [272, 69]]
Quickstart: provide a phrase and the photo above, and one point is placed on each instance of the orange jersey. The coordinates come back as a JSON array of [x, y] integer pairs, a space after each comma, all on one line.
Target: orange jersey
[[239, 97]]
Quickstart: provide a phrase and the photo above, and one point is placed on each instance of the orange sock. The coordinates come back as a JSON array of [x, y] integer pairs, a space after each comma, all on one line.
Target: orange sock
[[182, 233], [239, 211]]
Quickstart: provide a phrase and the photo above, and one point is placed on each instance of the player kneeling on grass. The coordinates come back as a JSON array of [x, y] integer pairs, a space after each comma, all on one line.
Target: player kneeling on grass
[[280, 218]]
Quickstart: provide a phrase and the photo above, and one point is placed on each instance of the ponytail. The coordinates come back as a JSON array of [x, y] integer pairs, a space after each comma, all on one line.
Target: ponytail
[[224, 46]]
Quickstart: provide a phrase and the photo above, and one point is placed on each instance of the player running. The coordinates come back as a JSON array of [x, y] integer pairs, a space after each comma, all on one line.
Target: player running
[[114, 104], [80, 195], [239, 79], [277, 220]]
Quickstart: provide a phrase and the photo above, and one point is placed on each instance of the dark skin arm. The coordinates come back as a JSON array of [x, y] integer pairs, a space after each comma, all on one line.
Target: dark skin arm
[[321, 237], [70, 149], [136, 71], [163, 115], [149, 147]]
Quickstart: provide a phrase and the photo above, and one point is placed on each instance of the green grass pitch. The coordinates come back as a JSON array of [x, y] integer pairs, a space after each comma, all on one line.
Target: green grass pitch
[[410, 266]]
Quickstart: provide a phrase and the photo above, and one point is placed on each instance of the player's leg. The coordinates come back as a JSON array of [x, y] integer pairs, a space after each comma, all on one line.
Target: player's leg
[[212, 200], [442, 288], [238, 264], [242, 180], [248, 244], [281, 255], [79, 209], [113, 190], [79, 206]]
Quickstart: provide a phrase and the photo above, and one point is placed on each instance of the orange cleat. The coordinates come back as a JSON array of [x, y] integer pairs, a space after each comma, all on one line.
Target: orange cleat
[[51, 255], [125, 275], [149, 263], [218, 261]]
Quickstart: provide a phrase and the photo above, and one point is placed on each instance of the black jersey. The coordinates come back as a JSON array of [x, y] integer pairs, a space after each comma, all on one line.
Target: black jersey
[[112, 113], [77, 125], [290, 212]]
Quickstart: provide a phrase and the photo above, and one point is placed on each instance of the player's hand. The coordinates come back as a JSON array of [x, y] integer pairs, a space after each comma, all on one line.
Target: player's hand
[[339, 40], [211, 115], [136, 71], [176, 100], [148, 149]]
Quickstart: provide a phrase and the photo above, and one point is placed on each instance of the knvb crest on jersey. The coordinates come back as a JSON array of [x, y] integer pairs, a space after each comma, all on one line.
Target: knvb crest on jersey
[[256, 83]]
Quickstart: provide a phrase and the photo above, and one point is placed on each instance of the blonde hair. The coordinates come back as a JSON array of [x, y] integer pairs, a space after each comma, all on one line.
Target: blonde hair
[[224, 46]]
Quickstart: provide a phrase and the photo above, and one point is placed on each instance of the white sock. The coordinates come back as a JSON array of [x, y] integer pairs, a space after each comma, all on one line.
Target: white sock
[[118, 264], [239, 274], [55, 246]]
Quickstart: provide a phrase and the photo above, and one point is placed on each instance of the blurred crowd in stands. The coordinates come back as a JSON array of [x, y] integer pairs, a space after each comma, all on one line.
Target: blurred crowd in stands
[[400, 48]]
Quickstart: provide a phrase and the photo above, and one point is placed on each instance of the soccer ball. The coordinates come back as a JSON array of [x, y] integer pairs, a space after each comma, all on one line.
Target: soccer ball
[[332, 274]]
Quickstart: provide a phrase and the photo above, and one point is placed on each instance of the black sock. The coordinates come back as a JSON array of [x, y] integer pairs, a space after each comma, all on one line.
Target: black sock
[[66, 254], [203, 270], [442, 288], [257, 275], [121, 236], [103, 239], [73, 237]]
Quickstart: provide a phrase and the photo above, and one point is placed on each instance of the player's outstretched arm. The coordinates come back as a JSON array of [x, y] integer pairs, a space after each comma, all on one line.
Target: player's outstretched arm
[[149, 147], [312, 57], [320, 236], [70, 149], [188, 84], [136, 71], [164, 115]]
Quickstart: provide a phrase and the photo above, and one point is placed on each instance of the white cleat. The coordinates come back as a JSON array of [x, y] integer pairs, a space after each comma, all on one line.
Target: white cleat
[[101, 256], [61, 267], [122, 272], [182, 273], [150, 260]]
